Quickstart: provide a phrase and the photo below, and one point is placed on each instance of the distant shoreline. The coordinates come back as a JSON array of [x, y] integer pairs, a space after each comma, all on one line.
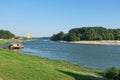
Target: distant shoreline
[[102, 42]]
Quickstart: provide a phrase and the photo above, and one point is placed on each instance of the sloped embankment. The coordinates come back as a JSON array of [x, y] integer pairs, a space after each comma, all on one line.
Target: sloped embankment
[[17, 66]]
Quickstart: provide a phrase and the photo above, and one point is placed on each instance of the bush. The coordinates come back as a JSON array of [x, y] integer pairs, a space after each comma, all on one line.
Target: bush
[[112, 73], [119, 75]]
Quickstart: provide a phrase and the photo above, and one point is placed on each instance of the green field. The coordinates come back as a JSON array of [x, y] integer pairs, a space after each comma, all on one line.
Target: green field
[[17, 66], [3, 41]]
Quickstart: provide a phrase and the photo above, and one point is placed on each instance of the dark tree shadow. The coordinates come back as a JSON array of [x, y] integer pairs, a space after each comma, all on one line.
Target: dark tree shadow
[[80, 76]]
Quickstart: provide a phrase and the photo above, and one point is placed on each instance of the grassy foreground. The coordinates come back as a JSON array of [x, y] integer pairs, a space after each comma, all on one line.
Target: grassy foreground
[[16, 66]]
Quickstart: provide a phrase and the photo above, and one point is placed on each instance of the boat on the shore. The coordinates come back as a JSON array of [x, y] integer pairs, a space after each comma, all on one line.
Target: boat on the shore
[[15, 46]]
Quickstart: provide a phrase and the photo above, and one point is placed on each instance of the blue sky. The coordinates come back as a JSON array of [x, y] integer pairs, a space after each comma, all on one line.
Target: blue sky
[[47, 17]]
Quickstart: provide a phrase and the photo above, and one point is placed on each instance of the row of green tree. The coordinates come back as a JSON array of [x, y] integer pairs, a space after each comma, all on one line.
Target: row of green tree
[[88, 33], [5, 34]]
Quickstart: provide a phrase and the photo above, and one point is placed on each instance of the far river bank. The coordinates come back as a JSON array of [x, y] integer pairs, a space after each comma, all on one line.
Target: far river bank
[[102, 42]]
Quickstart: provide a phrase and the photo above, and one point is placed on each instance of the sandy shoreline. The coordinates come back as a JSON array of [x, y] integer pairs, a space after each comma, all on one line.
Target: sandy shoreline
[[103, 42]]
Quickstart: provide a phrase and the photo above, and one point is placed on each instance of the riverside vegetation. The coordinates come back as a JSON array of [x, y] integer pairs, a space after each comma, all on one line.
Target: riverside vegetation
[[88, 33], [5, 34]]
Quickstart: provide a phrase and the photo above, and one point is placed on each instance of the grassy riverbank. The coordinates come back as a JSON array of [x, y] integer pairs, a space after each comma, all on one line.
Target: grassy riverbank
[[3, 41], [16, 66]]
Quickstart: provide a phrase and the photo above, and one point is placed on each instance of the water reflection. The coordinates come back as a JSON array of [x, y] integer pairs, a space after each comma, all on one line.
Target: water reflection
[[16, 50]]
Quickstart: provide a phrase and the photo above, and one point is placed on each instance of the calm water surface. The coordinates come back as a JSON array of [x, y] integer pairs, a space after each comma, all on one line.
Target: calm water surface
[[92, 56]]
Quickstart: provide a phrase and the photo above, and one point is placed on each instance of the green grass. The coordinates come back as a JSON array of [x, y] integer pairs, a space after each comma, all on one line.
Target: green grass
[[3, 41], [17, 66]]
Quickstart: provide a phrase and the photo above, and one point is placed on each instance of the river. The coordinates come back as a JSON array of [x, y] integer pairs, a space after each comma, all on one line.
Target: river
[[91, 56]]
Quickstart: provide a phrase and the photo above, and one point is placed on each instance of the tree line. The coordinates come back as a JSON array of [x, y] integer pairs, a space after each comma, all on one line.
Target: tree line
[[88, 33], [5, 34]]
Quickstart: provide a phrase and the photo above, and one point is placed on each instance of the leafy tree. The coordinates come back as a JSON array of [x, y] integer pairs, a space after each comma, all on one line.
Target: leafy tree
[[5, 34], [57, 37], [117, 34], [88, 33]]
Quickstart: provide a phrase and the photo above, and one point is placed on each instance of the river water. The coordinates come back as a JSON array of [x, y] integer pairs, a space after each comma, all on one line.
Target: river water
[[91, 56]]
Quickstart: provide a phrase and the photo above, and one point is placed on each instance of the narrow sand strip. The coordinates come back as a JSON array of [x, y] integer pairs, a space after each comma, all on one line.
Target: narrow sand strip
[[103, 42]]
